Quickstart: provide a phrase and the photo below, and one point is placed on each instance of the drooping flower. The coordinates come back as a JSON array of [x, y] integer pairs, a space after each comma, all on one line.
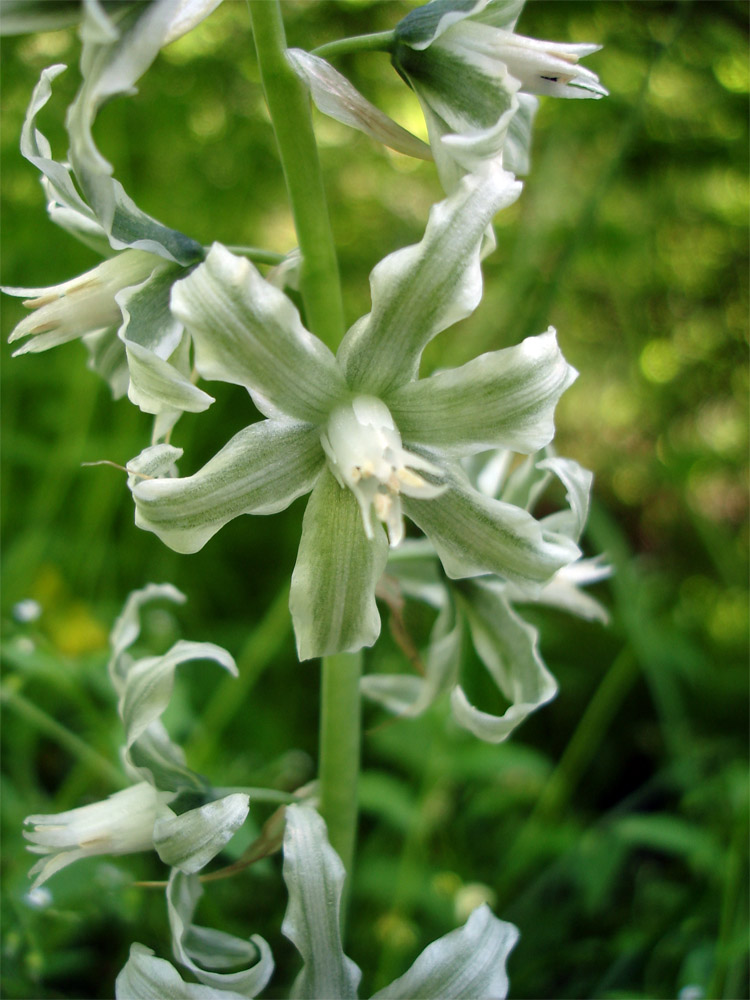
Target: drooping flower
[[359, 430], [475, 78], [120, 308], [468, 963], [155, 812], [485, 608], [120, 824]]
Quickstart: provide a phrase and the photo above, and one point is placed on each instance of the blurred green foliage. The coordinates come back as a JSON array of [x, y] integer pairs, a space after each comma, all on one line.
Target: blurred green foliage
[[613, 827]]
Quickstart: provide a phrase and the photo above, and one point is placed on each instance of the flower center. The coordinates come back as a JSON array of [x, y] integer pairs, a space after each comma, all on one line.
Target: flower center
[[365, 454]]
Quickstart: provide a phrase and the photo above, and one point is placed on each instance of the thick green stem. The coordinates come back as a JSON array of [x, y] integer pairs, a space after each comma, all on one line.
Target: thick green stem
[[380, 41], [339, 750], [289, 106]]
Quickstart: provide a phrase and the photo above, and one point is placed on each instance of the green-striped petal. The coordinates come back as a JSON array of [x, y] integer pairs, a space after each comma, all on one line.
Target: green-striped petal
[[503, 399], [189, 841], [146, 977], [332, 599], [508, 647], [314, 877], [204, 951], [407, 695], [115, 53], [423, 289], [260, 471], [467, 964], [148, 683], [577, 482], [476, 535], [424, 24], [249, 333]]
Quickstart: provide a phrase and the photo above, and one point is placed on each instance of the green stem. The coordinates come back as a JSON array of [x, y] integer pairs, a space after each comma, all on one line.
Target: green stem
[[257, 255], [289, 106], [339, 750], [379, 41]]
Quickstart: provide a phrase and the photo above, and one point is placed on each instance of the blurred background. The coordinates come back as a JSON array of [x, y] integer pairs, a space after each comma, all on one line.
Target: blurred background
[[612, 828]]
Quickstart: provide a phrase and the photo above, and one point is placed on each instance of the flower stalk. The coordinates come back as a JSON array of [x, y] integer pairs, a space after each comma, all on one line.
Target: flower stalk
[[289, 107]]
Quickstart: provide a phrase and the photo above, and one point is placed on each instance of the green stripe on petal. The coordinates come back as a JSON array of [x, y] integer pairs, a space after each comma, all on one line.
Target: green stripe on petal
[[463, 965], [156, 385], [260, 471], [204, 951], [332, 599], [189, 841], [423, 289], [503, 399], [314, 877], [475, 535], [150, 978], [467, 89], [426, 23], [249, 333], [508, 647]]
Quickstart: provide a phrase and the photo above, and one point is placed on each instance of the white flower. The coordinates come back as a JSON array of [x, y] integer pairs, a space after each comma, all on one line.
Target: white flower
[[340, 421], [82, 305], [121, 824]]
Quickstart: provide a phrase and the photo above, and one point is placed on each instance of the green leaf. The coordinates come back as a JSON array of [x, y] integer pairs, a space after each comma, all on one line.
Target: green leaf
[[475, 534], [247, 332], [314, 877], [421, 290], [466, 964], [506, 398], [260, 471], [332, 597]]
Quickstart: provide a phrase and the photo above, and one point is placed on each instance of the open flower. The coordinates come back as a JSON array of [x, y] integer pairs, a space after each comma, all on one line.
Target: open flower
[[359, 430]]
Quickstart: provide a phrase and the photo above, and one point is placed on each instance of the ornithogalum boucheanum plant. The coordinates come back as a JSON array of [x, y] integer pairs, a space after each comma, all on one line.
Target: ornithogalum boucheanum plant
[[344, 415]]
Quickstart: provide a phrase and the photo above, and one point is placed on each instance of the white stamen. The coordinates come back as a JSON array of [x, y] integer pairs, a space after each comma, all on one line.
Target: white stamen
[[365, 454]]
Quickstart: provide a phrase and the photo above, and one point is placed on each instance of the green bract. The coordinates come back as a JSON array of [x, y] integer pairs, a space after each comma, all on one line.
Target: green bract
[[170, 808], [360, 430]]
